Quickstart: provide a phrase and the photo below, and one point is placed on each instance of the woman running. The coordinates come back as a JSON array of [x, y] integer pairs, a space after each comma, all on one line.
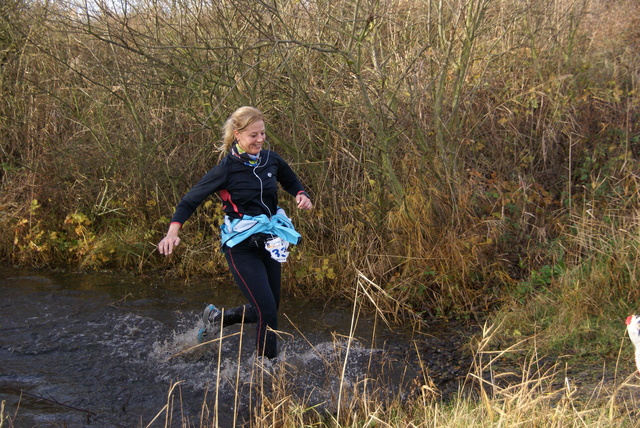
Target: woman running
[[256, 232]]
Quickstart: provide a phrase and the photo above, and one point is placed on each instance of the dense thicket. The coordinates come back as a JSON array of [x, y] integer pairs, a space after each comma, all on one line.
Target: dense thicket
[[458, 153]]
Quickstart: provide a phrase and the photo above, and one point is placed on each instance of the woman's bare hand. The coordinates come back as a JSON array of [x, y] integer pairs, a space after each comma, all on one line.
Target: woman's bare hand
[[304, 203]]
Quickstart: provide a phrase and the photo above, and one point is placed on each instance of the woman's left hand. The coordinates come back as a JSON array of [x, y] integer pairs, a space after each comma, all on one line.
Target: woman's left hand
[[304, 203]]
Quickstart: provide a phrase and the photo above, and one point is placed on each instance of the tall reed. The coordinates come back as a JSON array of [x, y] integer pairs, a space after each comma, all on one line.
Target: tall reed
[[504, 386], [448, 146]]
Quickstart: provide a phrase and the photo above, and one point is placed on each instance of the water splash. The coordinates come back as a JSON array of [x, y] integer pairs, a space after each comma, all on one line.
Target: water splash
[[75, 351]]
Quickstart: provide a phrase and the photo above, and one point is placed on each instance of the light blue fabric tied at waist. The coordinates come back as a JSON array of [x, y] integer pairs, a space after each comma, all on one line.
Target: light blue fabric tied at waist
[[239, 229]]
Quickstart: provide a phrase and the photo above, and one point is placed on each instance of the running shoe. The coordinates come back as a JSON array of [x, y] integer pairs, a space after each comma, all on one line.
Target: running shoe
[[211, 324]]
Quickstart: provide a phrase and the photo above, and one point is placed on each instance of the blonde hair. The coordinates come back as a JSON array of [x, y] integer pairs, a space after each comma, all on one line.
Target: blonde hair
[[239, 120]]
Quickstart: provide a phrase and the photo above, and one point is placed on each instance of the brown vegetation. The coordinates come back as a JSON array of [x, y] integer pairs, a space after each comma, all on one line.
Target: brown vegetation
[[464, 155]]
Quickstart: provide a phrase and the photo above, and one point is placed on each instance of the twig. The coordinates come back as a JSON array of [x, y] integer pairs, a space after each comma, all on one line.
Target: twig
[[21, 392]]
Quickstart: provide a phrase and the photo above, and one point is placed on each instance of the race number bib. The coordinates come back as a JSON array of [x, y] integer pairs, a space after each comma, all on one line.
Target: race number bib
[[277, 247]]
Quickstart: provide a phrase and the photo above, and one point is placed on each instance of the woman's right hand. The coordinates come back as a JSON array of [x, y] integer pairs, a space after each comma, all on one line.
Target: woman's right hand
[[167, 244], [170, 241]]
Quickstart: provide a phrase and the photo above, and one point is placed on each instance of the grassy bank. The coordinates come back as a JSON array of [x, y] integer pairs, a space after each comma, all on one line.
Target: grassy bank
[[349, 384], [512, 385], [473, 157]]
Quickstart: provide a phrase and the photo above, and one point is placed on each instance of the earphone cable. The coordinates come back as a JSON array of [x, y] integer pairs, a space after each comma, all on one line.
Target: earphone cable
[[259, 164]]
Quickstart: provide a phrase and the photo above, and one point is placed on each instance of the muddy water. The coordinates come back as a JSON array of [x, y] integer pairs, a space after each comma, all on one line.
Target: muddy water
[[104, 350]]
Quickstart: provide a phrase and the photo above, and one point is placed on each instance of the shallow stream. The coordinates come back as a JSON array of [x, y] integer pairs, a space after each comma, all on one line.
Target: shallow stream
[[105, 350]]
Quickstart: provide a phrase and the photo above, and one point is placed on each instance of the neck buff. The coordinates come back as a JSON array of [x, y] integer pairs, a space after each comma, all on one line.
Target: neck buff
[[250, 160]]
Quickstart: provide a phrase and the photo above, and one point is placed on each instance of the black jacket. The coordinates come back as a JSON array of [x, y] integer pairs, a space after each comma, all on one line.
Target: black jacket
[[244, 189]]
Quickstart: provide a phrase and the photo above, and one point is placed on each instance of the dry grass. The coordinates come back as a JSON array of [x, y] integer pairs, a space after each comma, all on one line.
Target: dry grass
[[514, 386], [462, 156]]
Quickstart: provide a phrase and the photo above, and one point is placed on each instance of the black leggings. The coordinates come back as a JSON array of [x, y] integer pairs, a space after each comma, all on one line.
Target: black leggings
[[258, 277]]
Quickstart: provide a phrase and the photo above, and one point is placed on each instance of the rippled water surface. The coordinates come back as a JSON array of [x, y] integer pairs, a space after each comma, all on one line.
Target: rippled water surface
[[105, 350]]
